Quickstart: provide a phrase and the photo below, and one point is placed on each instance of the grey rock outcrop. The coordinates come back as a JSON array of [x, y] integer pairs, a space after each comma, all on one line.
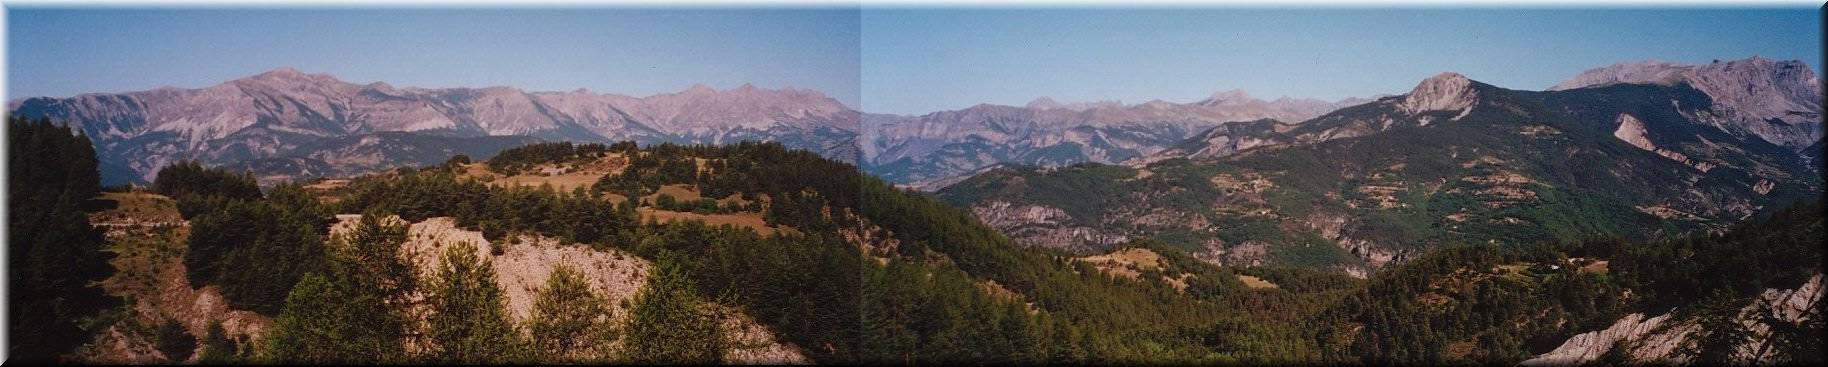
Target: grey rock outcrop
[[1777, 101], [940, 146]]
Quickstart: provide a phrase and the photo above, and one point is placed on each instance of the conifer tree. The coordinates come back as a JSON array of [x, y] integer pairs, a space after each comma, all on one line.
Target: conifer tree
[[175, 342], [469, 323], [1721, 333], [372, 251], [54, 256], [570, 322], [668, 323], [326, 322], [217, 347], [356, 313]]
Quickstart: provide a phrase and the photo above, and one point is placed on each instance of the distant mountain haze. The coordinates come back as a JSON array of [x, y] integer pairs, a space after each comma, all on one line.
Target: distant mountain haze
[[935, 149], [314, 122], [274, 114], [1636, 151], [288, 124]]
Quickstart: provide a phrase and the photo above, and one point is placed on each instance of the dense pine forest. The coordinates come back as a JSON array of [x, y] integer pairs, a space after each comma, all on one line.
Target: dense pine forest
[[52, 253], [843, 266]]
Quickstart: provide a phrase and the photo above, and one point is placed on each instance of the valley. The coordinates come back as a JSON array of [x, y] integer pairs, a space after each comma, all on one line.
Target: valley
[[844, 183], [1626, 216], [1454, 161], [908, 271]]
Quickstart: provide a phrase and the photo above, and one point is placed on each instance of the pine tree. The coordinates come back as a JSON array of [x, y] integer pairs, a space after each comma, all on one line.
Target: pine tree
[[256, 250], [214, 236], [469, 323], [356, 313], [325, 322], [886, 311], [1721, 334], [54, 256], [217, 347], [668, 323], [570, 322], [174, 341], [372, 253]]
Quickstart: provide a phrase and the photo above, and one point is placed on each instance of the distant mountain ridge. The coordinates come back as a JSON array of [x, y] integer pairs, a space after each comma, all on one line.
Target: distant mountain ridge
[[929, 150], [1778, 101], [1452, 161], [260, 116]]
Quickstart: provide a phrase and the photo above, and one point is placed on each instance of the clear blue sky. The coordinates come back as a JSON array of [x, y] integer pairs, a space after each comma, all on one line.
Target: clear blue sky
[[631, 51], [907, 61], [923, 60]]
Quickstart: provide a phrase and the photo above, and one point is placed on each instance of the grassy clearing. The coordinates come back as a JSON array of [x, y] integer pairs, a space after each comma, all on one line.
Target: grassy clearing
[[562, 176], [1597, 267], [136, 207], [1128, 263], [752, 221], [679, 192], [1255, 282]]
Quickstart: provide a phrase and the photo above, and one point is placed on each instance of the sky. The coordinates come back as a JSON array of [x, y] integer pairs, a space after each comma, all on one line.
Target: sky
[[924, 60], [633, 51], [881, 59]]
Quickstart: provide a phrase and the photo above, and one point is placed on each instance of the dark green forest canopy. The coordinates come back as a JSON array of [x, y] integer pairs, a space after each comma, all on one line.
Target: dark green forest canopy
[[53, 255], [1548, 293], [929, 298], [1080, 313], [799, 282], [1523, 167]]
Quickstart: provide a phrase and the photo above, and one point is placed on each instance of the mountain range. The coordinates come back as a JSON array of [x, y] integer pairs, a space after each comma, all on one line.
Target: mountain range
[[1643, 213], [932, 150], [286, 124], [325, 126], [1617, 151]]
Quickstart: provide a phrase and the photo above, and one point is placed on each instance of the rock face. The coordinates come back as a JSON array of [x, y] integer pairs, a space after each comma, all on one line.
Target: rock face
[[1444, 92], [1655, 340], [1448, 91], [1037, 224], [1632, 131], [1644, 72], [1777, 101], [271, 115], [918, 150], [1590, 346], [1221, 141]]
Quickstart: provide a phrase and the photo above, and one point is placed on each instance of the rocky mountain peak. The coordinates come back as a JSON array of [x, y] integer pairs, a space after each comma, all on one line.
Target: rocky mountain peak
[[1234, 96], [269, 114], [1044, 103], [699, 89], [289, 75], [281, 72], [1642, 72], [1447, 91], [1778, 101]]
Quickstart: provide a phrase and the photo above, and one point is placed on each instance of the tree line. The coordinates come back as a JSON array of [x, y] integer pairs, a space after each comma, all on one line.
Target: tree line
[[54, 257]]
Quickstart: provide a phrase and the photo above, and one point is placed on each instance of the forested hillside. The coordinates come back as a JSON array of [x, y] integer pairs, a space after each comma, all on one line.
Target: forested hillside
[[1386, 182], [655, 261], [1488, 304], [53, 255], [844, 268]]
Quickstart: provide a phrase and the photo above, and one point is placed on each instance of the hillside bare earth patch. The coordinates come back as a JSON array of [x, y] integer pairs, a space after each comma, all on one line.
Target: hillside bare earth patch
[[523, 263]]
